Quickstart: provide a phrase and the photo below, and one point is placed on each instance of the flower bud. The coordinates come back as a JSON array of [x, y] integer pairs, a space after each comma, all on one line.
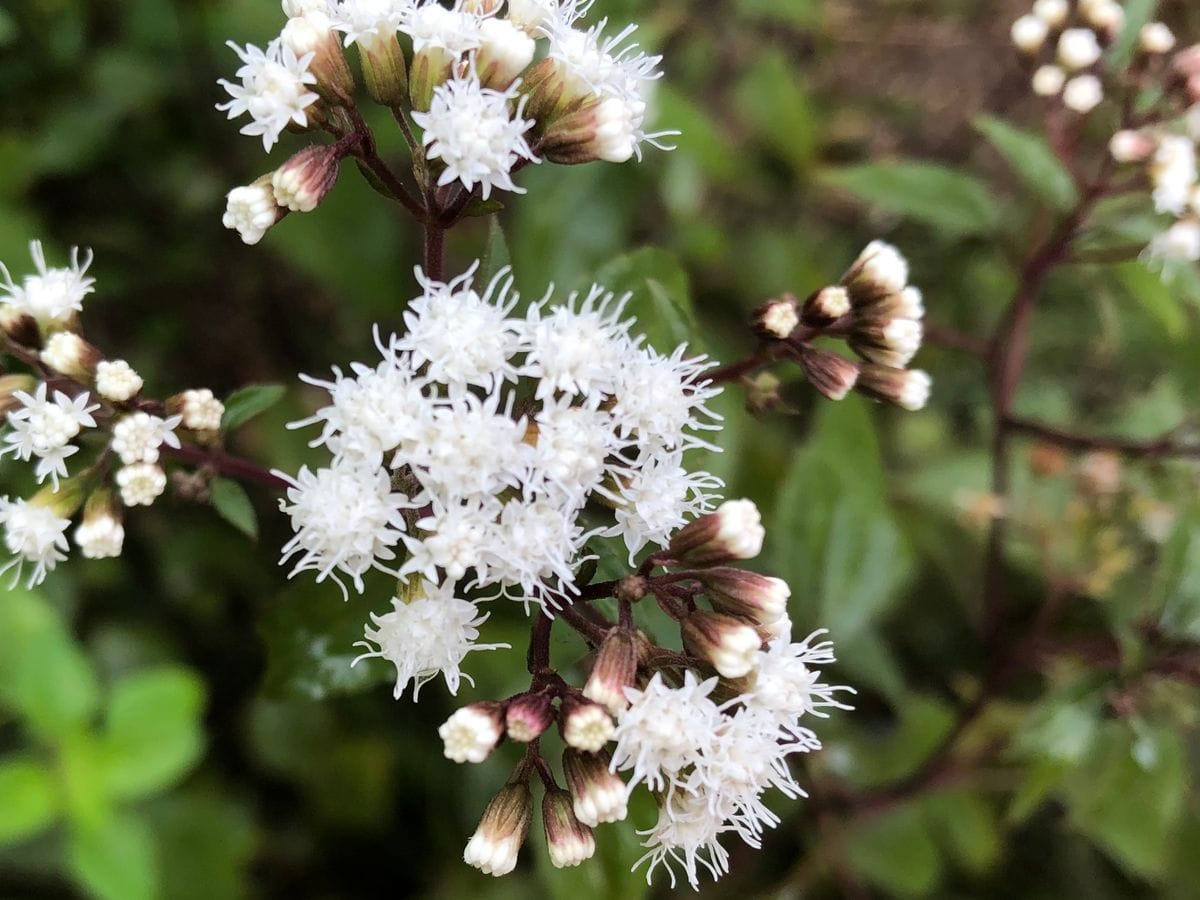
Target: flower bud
[[776, 319], [252, 210], [19, 326], [68, 353], [554, 93], [734, 531], [527, 716], [906, 388], [906, 304], [1100, 473], [570, 842], [384, 70], [529, 15], [141, 483], [614, 670], [738, 592], [198, 410], [9, 385], [888, 342], [116, 381], [1156, 38], [879, 270], [1029, 33], [826, 306], [830, 373], [494, 846], [1053, 12], [763, 394], [1131, 146], [101, 535], [1078, 48], [505, 51], [585, 725], [1048, 81], [605, 129], [598, 795], [311, 31], [63, 499], [1083, 93], [473, 732], [303, 181], [728, 643], [1105, 15]]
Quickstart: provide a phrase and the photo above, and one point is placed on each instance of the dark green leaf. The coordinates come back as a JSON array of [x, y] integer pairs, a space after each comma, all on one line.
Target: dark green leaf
[[29, 798], [896, 853], [1032, 159], [943, 198], [246, 403], [233, 505]]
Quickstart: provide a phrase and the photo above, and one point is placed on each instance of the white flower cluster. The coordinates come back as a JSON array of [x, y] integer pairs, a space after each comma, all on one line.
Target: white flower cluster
[[711, 762], [274, 90], [473, 447], [1077, 34], [51, 297]]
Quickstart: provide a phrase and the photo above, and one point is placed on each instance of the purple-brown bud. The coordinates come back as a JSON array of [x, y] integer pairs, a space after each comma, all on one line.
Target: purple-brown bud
[[69, 354], [830, 373], [527, 716], [569, 840], [907, 388], [734, 531], [585, 725], [494, 846], [738, 592], [19, 326], [879, 270], [302, 182], [729, 643], [598, 795], [614, 671], [776, 319], [826, 306]]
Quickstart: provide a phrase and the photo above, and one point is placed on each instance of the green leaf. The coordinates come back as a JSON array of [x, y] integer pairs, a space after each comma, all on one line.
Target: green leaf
[[896, 853], [661, 298], [770, 94], [1175, 589], [116, 860], [495, 254], [152, 733], [30, 800], [1033, 161], [480, 208], [966, 827], [1148, 289], [246, 403], [233, 505], [950, 201]]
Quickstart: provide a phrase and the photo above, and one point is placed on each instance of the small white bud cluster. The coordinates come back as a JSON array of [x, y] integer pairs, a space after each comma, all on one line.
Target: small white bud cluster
[[1070, 52]]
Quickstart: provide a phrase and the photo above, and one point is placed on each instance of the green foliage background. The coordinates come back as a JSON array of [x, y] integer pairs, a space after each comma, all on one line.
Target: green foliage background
[[183, 723]]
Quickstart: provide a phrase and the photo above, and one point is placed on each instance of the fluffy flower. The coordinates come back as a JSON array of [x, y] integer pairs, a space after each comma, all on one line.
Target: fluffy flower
[[251, 211], [427, 634], [788, 685], [368, 22], [43, 427], [686, 834], [274, 90], [141, 483], [476, 134], [659, 496], [137, 437], [33, 534], [52, 296]]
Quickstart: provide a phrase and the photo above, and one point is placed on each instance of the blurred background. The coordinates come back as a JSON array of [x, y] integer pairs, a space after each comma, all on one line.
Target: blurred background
[[251, 761]]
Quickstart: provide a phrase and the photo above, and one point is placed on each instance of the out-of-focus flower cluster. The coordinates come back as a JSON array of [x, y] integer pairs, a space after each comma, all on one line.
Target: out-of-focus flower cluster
[[77, 399]]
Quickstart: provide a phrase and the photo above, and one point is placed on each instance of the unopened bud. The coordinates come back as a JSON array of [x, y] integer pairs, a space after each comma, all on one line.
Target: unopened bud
[[101, 535], [198, 410], [1107, 16], [734, 531], [598, 795], [19, 326], [604, 129], [739, 592], [1131, 146], [888, 342], [141, 483], [830, 373], [1029, 33], [1078, 48], [879, 270], [303, 181], [505, 51], [908, 389], [63, 499], [728, 643], [494, 846], [69, 354], [585, 725], [527, 716], [776, 319], [1053, 12], [1048, 81], [385, 73], [1083, 93], [1156, 38], [826, 306], [570, 841], [553, 93], [471, 733], [312, 32], [252, 210], [614, 670], [116, 381], [763, 394]]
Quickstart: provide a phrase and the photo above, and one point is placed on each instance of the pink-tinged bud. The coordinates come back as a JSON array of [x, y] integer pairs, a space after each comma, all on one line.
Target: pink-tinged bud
[[471, 733], [614, 670], [585, 725], [69, 354], [598, 794], [1186, 62], [730, 644], [908, 389], [570, 842], [1100, 473], [776, 319], [505, 51], [9, 385], [879, 270], [734, 531], [494, 846], [312, 32], [1131, 146], [303, 181], [527, 716], [738, 592], [830, 373], [826, 306], [606, 129]]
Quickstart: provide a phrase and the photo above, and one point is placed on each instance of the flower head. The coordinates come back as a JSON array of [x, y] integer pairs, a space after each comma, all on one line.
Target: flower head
[[52, 296], [33, 533], [274, 90], [43, 428]]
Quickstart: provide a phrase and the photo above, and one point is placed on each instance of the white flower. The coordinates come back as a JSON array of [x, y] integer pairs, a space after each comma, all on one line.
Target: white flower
[[504, 51], [117, 381], [100, 538], [433, 27], [43, 427], [787, 683], [137, 437], [573, 447], [534, 544], [914, 392], [1078, 48], [1029, 33], [201, 410], [665, 730], [454, 540], [251, 211], [370, 22], [1048, 81], [33, 534], [274, 90], [470, 734], [1053, 12], [1083, 93], [600, 65], [1174, 173], [1178, 244], [663, 400], [740, 529], [687, 833], [428, 635], [476, 134], [463, 338], [51, 296], [347, 519], [293, 8], [141, 483], [659, 496], [1156, 37]]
